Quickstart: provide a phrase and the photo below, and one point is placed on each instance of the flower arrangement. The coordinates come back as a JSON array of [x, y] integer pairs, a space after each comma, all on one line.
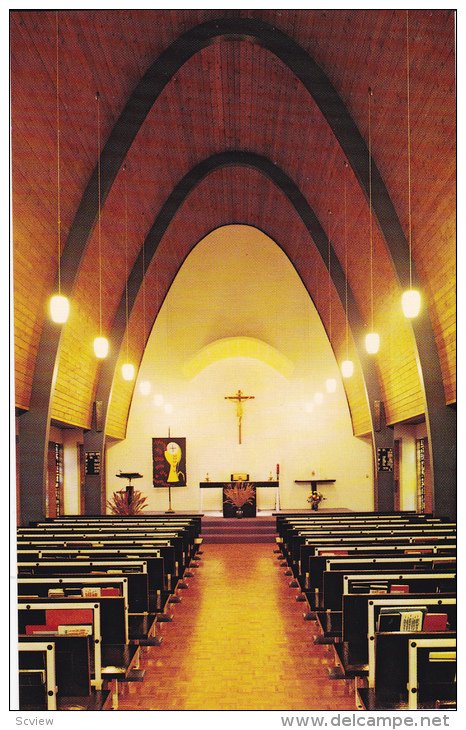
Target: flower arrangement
[[126, 503], [238, 494], [315, 498]]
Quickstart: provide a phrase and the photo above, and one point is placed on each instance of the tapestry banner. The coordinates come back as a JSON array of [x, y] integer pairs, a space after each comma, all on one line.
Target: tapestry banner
[[169, 462]]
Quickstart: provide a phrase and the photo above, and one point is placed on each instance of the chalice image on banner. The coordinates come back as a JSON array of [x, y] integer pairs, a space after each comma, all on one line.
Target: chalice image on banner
[[173, 456]]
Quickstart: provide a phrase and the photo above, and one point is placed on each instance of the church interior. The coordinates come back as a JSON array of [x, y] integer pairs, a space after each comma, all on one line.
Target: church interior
[[233, 238]]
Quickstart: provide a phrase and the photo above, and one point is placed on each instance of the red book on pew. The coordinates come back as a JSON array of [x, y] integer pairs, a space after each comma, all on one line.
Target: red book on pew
[[435, 622], [399, 588], [60, 616], [109, 591], [32, 629]]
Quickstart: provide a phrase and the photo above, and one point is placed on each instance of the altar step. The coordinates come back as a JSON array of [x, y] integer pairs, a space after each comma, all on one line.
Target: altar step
[[245, 530]]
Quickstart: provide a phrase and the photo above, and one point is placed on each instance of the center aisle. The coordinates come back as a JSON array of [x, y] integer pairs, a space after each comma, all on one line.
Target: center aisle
[[238, 642]]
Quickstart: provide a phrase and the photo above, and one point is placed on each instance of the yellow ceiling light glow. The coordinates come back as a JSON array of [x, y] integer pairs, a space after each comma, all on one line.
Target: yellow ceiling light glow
[[228, 347], [372, 339], [330, 385], [411, 303], [145, 387], [59, 305], [411, 298], [347, 368], [372, 343], [159, 400], [127, 371], [101, 346]]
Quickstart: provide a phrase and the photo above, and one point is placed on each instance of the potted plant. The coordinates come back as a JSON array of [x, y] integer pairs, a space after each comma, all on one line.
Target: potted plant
[[315, 498], [239, 494], [127, 502]]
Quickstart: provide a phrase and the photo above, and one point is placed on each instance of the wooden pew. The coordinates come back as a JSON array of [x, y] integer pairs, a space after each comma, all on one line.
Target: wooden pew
[[73, 688], [318, 566], [142, 598], [357, 641], [37, 678], [431, 676], [390, 690], [335, 582], [292, 525], [155, 563], [308, 545], [188, 530], [141, 623], [374, 608], [169, 546], [119, 658], [36, 613], [298, 535], [354, 547]]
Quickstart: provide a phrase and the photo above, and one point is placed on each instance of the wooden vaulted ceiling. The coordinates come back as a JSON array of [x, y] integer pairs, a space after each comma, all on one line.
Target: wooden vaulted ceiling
[[231, 95]]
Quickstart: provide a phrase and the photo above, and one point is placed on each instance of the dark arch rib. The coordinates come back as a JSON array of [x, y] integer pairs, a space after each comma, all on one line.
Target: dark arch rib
[[95, 439], [35, 422]]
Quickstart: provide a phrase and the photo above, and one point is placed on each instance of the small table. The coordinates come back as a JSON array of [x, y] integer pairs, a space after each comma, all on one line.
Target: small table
[[314, 482]]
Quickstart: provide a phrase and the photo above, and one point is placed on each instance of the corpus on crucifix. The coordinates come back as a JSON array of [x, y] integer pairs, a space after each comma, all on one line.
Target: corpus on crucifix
[[239, 398]]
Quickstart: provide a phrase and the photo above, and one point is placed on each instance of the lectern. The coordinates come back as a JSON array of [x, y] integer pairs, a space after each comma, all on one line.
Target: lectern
[[129, 475]]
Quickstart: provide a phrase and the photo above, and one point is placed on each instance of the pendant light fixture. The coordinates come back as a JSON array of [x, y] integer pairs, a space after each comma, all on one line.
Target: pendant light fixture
[[411, 298], [127, 369], [330, 383], [59, 305], [145, 386], [100, 342], [372, 338], [347, 366]]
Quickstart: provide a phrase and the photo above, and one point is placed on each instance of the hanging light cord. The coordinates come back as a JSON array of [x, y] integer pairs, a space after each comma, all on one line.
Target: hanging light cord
[[370, 215], [126, 265], [345, 234], [409, 149], [99, 231], [58, 161], [329, 277], [143, 296], [144, 293]]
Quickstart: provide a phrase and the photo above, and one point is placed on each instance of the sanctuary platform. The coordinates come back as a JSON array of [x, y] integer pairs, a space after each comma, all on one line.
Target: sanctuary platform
[[260, 529]]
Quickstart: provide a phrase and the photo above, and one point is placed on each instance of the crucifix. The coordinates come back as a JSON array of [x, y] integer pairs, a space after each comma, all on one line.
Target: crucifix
[[239, 398]]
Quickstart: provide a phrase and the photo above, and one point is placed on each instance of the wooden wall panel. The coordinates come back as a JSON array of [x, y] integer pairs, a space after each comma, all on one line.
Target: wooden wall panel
[[231, 95]]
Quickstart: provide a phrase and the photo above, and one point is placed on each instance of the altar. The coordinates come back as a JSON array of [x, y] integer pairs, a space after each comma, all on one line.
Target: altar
[[249, 509]]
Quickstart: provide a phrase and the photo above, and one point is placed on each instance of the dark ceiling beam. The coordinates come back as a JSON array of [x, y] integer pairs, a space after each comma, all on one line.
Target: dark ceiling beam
[[382, 437], [441, 422]]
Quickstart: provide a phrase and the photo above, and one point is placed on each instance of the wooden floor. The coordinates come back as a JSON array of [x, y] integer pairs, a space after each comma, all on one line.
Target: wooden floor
[[238, 642]]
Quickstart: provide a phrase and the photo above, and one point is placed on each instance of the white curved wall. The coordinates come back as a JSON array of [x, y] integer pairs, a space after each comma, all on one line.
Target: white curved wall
[[237, 282]]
